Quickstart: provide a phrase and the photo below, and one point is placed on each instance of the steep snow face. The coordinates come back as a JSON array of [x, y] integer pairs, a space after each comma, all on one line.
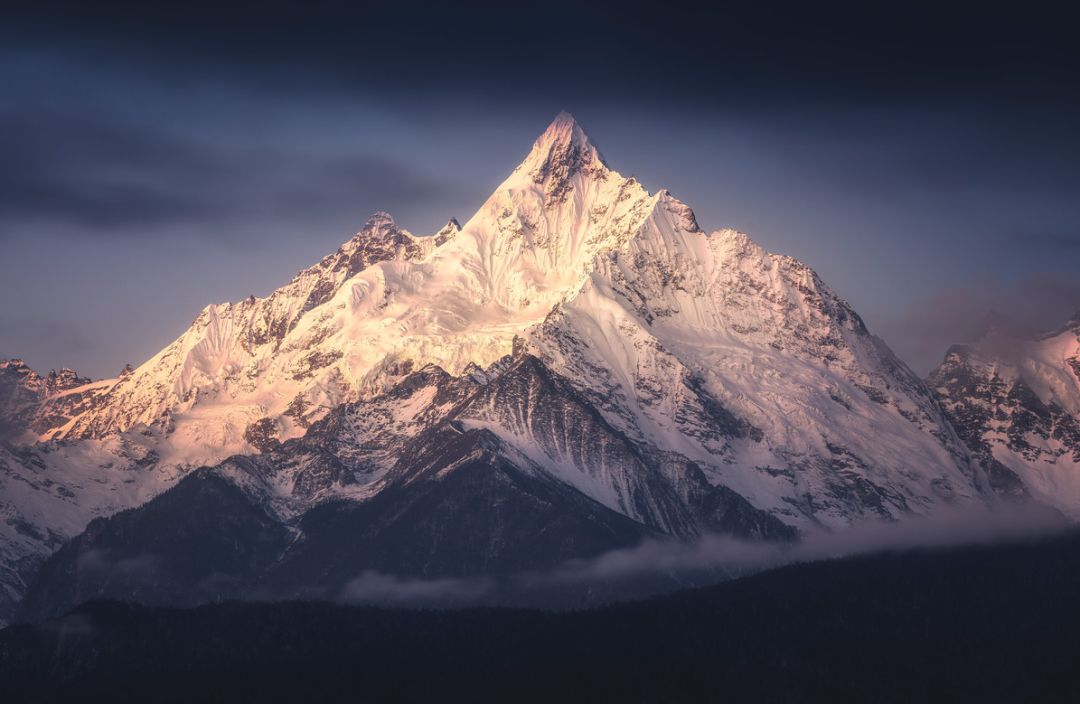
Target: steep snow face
[[1016, 402], [744, 362], [384, 304]]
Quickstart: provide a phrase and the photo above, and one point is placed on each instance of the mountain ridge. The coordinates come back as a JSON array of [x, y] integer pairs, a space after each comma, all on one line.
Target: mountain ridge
[[579, 348]]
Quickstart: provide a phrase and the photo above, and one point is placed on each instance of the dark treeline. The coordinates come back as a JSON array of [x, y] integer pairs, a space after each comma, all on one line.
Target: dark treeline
[[997, 623]]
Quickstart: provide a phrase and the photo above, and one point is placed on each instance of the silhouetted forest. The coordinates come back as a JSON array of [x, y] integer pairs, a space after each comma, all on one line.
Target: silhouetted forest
[[998, 623]]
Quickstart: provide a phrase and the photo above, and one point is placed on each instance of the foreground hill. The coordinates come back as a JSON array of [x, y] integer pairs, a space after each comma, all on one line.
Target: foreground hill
[[970, 624]]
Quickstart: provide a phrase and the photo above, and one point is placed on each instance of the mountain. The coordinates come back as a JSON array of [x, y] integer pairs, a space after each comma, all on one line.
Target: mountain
[[577, 367], [696, 347], [1014, 397]]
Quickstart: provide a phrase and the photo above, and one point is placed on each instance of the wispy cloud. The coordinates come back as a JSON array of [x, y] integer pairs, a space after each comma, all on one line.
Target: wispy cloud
[[25, 332], [105, 180], [722, 554], [377, 588], [706, 559]]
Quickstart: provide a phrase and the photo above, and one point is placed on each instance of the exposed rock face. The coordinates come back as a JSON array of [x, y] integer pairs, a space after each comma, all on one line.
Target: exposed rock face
[[448, 232], [30, 402], [21, 391]]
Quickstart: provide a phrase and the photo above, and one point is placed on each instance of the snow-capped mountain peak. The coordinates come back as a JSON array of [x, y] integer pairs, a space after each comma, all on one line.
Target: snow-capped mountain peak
[[562, 138], [579, 346], [558, 155]]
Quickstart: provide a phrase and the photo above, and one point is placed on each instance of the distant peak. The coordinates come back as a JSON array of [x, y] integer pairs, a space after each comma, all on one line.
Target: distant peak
[[378, 220], [380, 227]]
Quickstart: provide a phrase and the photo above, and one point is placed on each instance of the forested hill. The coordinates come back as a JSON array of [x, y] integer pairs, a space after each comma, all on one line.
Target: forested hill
[[974, 624]]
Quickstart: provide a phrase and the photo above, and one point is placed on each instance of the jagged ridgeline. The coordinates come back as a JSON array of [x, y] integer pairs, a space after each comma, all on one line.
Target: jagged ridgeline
[[576, 368]]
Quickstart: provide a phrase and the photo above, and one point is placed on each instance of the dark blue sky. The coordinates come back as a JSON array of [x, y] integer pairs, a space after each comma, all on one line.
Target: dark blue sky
[[927, 164]]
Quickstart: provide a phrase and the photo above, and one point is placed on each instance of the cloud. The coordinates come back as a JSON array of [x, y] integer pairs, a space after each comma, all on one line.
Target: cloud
[[99, 566], [26, 332], [710, 558], [100, 178], [922, 333], [377, 588], [723, 555]]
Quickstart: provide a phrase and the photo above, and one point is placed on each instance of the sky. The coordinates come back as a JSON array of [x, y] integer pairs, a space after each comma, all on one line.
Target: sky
[[925, 161]]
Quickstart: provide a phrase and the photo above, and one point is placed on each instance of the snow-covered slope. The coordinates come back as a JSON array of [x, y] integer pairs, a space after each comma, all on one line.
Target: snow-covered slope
[[1016, 402], [745, 362], [239, 362], [387, 302], [50, 492]]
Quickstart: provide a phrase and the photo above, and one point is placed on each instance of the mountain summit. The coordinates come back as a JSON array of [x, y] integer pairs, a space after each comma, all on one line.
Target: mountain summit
[[559, 154]]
